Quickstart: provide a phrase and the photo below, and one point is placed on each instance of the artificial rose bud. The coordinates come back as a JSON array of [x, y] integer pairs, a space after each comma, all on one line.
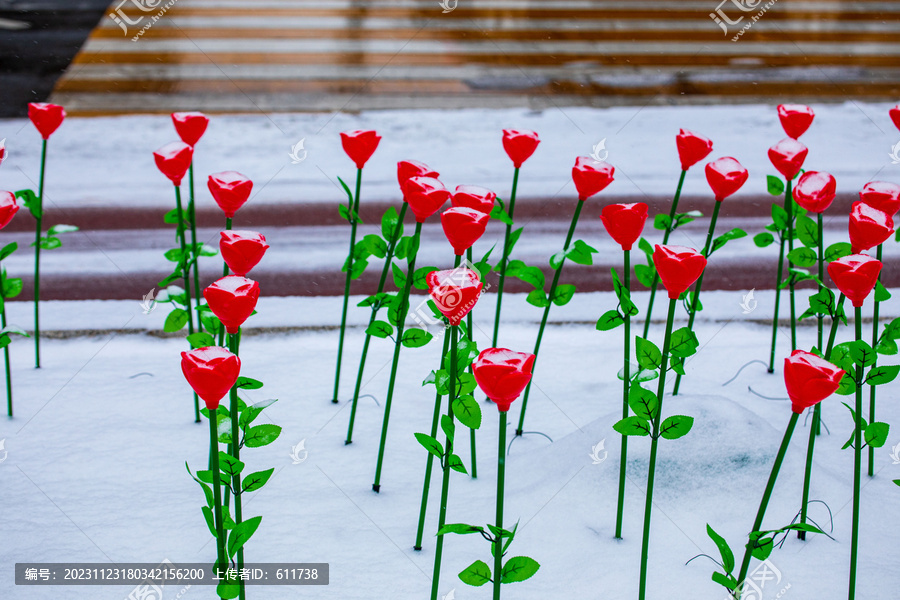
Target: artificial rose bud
[[3, 152], [473, 196], [242, 250], [407, 169], [425, 196], [795, 118], [190, 126], [591, 177], [519, 145], [230, 190], [8, 208], [454, 291], [809, 379], [503, 374], [882, 195], [360, 145], [212, 372], [232, 298], [855, 275], [787, 157], [46, 117], [725, 176], [869, 227], [678, 268], [815, 191], [692, 148], [463, 227], [895, 116], [173, 160], [624, 222]]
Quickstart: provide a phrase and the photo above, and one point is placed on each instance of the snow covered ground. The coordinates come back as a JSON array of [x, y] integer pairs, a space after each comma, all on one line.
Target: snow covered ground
[[107, 161], [95, 464]]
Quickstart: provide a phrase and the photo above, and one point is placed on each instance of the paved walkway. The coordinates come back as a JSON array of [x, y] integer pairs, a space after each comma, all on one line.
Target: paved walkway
[[299, 55]]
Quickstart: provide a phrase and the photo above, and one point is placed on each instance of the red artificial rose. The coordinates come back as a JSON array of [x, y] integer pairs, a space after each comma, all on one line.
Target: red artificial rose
[[787, 157], [795, 119], [815, 191], [591, 176], [230, 190], [3, 153], [678, 267], [473, 196], [624, 222], [869, 227], [503, 374], [895, 116], [425, 196], [8, 208], [212, 372], [519, 145], [809, 379], [692, 148], [882, 195], [173, 160], [232, 298], [856, 276], [242, 250], [190, 126], [46, 117], [463, 227], [454, 291], [407, 169], [725, 176], [360, 145]]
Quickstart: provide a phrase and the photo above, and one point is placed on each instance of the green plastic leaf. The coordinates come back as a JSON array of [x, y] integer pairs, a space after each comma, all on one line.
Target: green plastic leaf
[[8, 249], [726, 237], [684, 343], [459, 528], [249, 413], [643, 402], [537, 298], [466, 384], [241, 534], [381, 329], [847, 386], [580, 253], [468, 411], [648, 355], [229, 465], [662, 222], [476, 574], [430, 444], [176, 320], [774, 185], [248, 383], [518, 568], [563, 294], [881, 293], [724, 549], [644, 274], [623, 295], [415, 338], [876, 434], [676, 426], [389, 222], [201, 339], [807, 231], [763, 239], [399, 276], [861, 353], [760, 546], [882, 374], [457, 465], [633, 426], [837, 251], [31, 202], [501, 215], [779, 217], [727, 581], [261, 435], [533, 276], [609, 320], [11, 287], [803, 257], [419, 277]]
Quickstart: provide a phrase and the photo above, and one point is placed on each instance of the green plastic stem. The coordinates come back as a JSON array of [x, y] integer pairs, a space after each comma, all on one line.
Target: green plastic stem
[[192, 217], [470, 334], [661, 389], [186, 279], [694, 299], [228, 223], [217, 489], [505, 257], [872, 388], [37, 260], [353, 217], [404, 304], [626, 359], [501, 481], [779, 275], [857, 465], [235, 451], [789, 208], [666, 233], [540, 335], [445, 485], [764, 503], [9, 394], [388, 257]]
